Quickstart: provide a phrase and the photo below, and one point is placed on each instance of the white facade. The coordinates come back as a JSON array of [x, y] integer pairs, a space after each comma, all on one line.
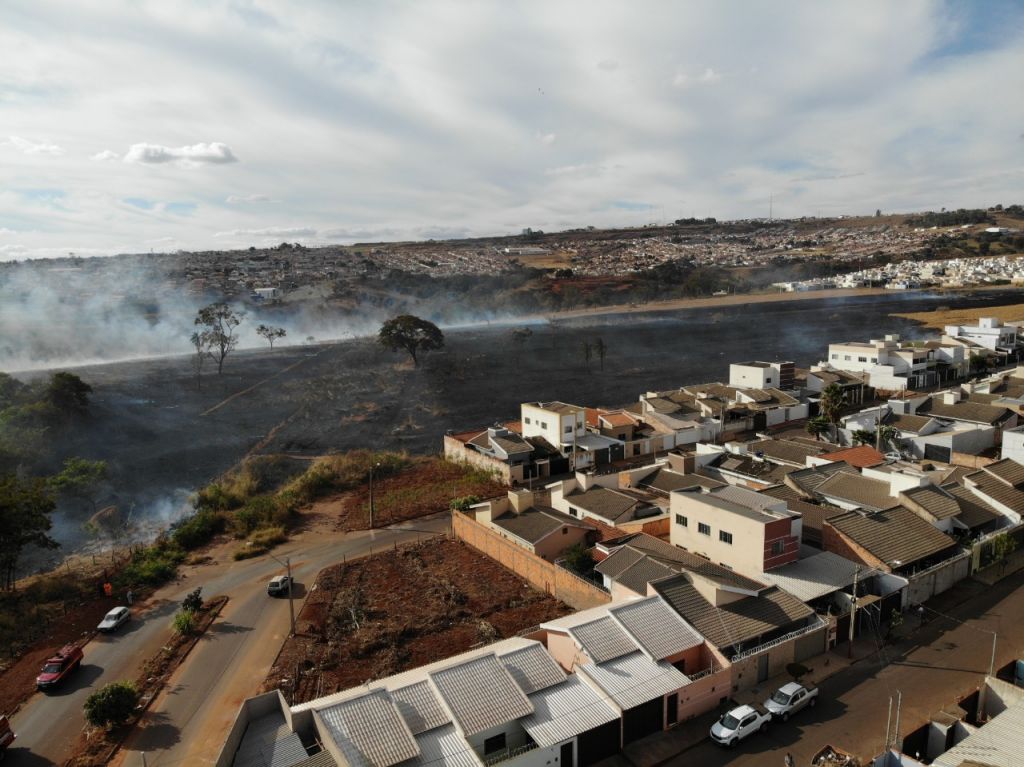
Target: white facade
[[560, 424], [1013, 444], [989, 332]]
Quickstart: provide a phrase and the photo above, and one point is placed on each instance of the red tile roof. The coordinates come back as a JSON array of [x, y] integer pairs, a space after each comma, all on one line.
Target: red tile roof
[[861, 457]]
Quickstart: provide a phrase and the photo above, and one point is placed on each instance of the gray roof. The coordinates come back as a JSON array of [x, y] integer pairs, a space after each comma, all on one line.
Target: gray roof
[[972, 412], [1007, 470], [268, 742], [533, 668], [537, 523], [481, 694], [443, 747], [603, 502], [815, 576], [998, 743], [667, 480], [933, 501], [784, 450], [602, 639], [656, 627], [863, 491], [565, 711], [807, 480], [419, 707], [996, 490], [369, 731], [896, 534], [634, 679], [974, 512]]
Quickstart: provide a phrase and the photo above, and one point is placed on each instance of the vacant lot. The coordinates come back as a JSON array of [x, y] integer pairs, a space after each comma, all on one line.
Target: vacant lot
[[394, 611], [943, 316]]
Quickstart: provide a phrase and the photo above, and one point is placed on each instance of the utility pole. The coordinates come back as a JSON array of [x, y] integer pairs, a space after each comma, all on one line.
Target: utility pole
[[375, 466], [853, 611]]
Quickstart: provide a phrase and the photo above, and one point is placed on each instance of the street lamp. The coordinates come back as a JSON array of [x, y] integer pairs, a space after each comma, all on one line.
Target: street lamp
[[375, 466], [291, 600]]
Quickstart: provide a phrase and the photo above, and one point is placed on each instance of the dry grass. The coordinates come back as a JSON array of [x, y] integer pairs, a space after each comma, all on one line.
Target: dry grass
[[942, 316]]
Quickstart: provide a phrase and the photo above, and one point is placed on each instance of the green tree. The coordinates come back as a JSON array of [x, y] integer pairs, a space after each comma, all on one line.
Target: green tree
[[271, 333], [25, 508], [219, 322], [579, 559], [833, 402], [412, 334], [816, 426], [1003, 545], [184, 622], [68, 394], [863, 437], [111, 704], [80, 479]]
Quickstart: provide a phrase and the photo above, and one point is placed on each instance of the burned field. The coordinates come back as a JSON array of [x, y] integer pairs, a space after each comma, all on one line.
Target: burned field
[[393, 611]]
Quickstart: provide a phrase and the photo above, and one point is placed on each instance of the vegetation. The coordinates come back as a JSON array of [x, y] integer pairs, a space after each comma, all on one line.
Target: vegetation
[[25, 507], [152, 565], [111, 704], [817, 426], [1003, 545], [270, 333], [193, 601], [217, 337], [184, 622], [950, 218], [833, 402], [463, 503], [80, 479], [579, 559], [412, 334], [261, 541]]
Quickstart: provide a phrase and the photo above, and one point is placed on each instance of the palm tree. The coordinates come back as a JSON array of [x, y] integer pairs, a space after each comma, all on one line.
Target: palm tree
[[833, 402], [816, 426]]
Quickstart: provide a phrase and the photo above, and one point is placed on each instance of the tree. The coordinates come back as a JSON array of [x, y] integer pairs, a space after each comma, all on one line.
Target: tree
[[579, 559], [412, 334], [816, 426], [68, 394], [1003, 545], [888, 435], [601, 349], [111, 704], [81, 479], [201, 343], [833, 402], [588, 353], [863, 437], [219, 322], [271, 333], [193, 601], [25, 508]]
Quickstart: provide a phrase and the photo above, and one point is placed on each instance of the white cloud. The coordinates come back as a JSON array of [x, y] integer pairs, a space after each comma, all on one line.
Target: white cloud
[[214, 153], [4, 231], [270, 231], [547, 139], [25, 146], [106, 156], [236, 199]]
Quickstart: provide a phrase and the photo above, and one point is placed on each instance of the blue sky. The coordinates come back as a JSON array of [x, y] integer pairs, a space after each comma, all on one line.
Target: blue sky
[[138, 125]]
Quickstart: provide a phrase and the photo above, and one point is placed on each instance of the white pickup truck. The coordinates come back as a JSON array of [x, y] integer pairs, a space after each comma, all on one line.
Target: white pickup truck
[[789, 699], [737, 724]]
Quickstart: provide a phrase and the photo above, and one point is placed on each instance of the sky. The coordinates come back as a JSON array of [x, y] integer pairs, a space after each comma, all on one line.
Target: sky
[[165, 124]]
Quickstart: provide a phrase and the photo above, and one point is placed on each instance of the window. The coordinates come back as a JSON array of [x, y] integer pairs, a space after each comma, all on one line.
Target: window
[[725, 537], [874, 359], [846, 357], [768, 379], [777, 547], [543, 424], [568, 430], [565, 531], [682, 521], [703, 529], [862, 359], [835, 356], [573, 512], [526, 420], [496, 743]]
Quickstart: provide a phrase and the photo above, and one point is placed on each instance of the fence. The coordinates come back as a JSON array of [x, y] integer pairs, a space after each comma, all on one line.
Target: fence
[[544, 575], [936, 579]]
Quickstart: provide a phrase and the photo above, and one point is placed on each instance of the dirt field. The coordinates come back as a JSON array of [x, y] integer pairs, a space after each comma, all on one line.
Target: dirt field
[[939, 318], [390, 612]]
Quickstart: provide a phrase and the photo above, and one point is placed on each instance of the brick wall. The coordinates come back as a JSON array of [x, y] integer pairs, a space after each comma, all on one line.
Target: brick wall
[[834, 541], [454, 450], [557, 581]]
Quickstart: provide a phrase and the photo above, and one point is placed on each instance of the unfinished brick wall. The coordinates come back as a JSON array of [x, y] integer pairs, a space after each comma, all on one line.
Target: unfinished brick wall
[[554, 580]]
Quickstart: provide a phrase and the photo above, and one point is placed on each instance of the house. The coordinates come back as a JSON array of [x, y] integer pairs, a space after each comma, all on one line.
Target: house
[[853, 385], [762, 375], [989, 333], [564, 426], [497, 449], [1001, 486], [1013, 444], [588, 496], [893, 365], [812, 515], [541, 530], [739, 529]]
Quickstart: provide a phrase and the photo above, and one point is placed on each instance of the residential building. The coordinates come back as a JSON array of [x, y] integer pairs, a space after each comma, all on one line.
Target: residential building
[[565, 427], [989, 333], [892, 365], [539, 529], [762, 375], [587, 496], [893, 540], [496, 448]]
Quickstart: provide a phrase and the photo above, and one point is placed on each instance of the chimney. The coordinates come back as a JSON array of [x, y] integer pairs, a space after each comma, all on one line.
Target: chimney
[[951, 397]]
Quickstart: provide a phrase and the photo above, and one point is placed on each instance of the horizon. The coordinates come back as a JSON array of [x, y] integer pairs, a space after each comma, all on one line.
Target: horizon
[[243, 124]]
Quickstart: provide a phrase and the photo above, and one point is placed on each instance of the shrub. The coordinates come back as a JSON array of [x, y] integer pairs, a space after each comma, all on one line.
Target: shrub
[[198, 529], [184, 622], [152, 566], [463, 504], [260, 542], [579, 559], [111, 704], [193, 603]]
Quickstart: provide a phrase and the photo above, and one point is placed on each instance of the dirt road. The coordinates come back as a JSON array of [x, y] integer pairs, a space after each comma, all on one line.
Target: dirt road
[[187, 723]]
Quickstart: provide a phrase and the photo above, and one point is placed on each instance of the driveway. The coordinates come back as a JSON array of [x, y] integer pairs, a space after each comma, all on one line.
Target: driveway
[[188, 721]]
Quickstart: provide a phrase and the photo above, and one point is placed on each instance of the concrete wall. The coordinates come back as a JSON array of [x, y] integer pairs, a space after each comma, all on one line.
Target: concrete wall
[[250, 710], [552, 546], [704, 694], [554, 580], [935, 580], [460, 453], [744, 670], [657, 527]]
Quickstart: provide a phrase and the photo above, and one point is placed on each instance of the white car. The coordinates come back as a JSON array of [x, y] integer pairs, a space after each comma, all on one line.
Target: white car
[[789, 699], [737, 724], [279, 585], [114, 619]]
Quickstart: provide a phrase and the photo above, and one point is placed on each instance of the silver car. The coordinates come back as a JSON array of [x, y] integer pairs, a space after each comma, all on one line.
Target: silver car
[[114, 619]]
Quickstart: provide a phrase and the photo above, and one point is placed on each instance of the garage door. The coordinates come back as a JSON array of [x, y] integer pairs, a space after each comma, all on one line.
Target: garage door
[[642, 720], [599, 743]]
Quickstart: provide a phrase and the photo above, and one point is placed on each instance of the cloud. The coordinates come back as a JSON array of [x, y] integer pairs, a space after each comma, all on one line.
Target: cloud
[[235, 199], [547, 139], [271, 231], [106, 156], [607, 65], [195, 155], [25, 146], [708, 76], [4, 231]]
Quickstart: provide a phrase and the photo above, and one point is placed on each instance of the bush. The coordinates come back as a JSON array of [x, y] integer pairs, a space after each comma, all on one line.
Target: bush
[[152, 566], [184, 622], [260, 542], [198, 529], [111, 704], [193, 603], [463, 504]]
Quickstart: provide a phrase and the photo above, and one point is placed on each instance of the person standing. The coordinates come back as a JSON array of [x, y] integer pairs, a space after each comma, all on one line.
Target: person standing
[[789, 760]]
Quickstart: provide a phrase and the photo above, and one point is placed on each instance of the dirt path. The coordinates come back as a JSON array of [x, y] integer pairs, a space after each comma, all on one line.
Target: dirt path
[[256, 385]]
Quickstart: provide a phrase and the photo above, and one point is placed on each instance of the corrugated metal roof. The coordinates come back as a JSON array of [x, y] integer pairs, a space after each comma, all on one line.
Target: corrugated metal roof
[[369, 730], [444, 747], [656, 627], [565, 711], [533, 668], [896, 534], [634, 679], [998, 743], [602, 639], [481, 694], [419, 707], [815, 576]]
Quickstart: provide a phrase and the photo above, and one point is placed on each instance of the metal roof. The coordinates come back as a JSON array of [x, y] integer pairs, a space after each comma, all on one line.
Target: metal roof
[[815, 576], [656, 627], [565, 711], [533, 668], [893, 535], [444, 747], [602, 639], [268, 742], [419, 707], [481, 694], [998, 743], [634, 679], [369, 731]]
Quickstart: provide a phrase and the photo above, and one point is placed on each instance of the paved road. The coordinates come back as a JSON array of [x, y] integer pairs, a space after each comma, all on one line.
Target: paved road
[[187, 723], [949, 660]]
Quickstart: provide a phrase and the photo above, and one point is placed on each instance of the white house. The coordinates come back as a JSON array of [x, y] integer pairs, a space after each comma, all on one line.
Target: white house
[[989, 333]]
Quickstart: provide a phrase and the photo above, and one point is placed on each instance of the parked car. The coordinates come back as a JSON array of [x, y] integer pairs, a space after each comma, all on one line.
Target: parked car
[[279, 585], [56, 668], [7, 735], [114, 619], [737, 724], [789, 699]]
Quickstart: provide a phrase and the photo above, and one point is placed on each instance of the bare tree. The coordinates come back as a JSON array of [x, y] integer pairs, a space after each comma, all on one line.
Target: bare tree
[[202, 347], [588, 353], [220, 322], [271, 334], [601, 349]]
